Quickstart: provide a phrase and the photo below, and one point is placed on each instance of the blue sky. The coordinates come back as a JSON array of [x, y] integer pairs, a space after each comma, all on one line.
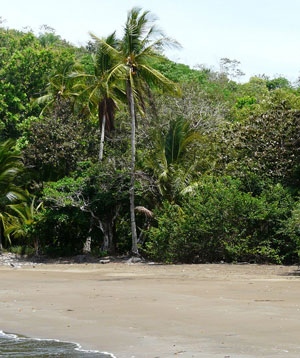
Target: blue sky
[[264, 35]]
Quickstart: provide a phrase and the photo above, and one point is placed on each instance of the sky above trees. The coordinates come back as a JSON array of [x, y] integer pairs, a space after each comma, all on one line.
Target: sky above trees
[[262, 34]]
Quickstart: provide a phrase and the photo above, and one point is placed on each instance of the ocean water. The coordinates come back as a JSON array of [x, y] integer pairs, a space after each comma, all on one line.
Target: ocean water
[[15, 346]]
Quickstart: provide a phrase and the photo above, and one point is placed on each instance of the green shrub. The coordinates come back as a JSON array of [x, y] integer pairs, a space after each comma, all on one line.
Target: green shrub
[[291, 229], [22, 250], [220, 221], [62, 232]]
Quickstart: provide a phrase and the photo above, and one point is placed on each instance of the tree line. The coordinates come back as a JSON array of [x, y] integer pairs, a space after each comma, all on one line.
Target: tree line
[[111, 148]]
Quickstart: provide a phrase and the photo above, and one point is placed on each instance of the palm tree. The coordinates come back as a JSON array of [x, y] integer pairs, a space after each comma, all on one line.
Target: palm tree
[[10, 167], [101, 95], [22, 223], [140, 47], [58, 91], [168, 161]]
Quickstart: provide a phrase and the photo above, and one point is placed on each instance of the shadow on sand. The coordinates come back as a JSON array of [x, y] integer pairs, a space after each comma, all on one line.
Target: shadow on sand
[[294, 273]]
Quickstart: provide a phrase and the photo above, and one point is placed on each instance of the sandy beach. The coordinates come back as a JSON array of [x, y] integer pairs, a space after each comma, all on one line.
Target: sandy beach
[[151, 311]]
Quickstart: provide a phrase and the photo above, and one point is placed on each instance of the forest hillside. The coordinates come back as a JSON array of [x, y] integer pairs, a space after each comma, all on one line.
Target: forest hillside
[[112, 148]]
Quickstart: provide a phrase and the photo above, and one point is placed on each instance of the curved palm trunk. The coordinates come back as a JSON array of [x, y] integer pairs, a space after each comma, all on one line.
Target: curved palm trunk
[[134, 248], [102, 138]]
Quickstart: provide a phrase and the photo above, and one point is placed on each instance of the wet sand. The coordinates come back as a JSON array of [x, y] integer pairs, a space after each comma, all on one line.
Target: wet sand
[[151, 311]]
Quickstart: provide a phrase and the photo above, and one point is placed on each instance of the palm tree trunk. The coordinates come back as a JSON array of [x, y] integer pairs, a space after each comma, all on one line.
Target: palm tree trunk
[[102, 138], [134, 248]]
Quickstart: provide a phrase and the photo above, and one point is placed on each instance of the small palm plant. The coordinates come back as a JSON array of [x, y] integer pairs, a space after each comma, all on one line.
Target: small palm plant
[[22, 223], [10, 166], [168, 161]]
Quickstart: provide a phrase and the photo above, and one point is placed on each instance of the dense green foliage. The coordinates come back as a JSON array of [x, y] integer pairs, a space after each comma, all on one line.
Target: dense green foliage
[[217, 168], [221, 221]]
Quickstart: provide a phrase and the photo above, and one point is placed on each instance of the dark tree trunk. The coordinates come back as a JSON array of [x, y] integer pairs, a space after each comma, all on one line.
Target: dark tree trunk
[[107, 227], [108, 234], [36, 244]]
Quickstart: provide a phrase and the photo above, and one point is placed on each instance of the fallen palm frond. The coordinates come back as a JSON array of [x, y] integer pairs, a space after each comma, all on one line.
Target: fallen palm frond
[[141, 209]]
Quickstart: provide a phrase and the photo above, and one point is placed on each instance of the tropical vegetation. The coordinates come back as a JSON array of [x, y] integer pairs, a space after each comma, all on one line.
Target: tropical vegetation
[[111, 148]]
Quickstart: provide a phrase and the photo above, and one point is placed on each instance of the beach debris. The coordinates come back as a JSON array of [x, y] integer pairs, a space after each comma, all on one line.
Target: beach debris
[[105, 261], [134, 260], [14, 260]]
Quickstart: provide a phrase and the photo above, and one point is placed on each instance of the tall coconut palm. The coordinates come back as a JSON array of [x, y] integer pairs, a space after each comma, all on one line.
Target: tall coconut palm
[[101, 95], [140, 47]]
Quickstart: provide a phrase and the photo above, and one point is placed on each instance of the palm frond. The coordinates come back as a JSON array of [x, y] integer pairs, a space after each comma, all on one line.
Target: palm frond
[[154, 77], [107, 46], [141, 209], [118, 72], [43, 99], [80, 75]]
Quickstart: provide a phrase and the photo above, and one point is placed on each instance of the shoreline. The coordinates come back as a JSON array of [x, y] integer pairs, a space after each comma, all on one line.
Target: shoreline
[[77, 345], [148, 311]]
